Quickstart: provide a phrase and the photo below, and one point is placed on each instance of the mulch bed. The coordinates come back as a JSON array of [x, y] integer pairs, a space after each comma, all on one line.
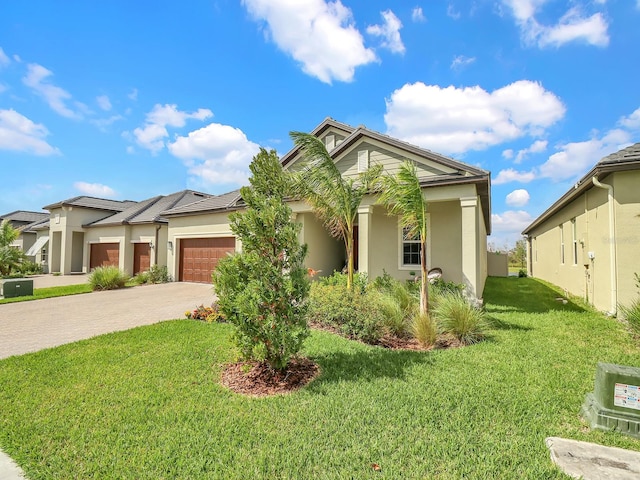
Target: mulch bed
[[258, 379]]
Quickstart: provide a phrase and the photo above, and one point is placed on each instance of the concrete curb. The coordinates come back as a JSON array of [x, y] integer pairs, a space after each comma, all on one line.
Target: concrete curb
[[9, 470], [590, 461]]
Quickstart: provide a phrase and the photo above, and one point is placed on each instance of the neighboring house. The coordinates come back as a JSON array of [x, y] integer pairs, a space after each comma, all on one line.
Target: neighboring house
[[22, 220], [459, 217], [87, 232], [587, 241]]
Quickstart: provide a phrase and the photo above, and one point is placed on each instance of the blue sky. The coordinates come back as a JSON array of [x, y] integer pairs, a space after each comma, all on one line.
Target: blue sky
[[129, 100]]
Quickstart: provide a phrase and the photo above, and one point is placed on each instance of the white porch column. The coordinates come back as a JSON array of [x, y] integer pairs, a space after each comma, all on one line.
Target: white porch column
[[469, 207], [364, 236]]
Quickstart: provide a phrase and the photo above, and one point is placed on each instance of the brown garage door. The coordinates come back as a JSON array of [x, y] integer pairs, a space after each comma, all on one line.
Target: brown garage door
[[104, 255], [199, 257], [141, 257]]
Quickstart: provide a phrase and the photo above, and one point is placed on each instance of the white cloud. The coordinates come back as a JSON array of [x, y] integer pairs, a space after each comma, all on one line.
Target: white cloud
[[460, 61], [518, 198], [133, 94], [19, 134], [152, 135], [576, 158], [536, 147], [508, 153], [95, 189], [452, 12], [103, 102], [319, 35], [511, 175], [103, 123], [511, 221], [218, 154], [4, 60], [456, 120], [418, 16], [389, 31], [632, 121], [574, 25], [56, 97]]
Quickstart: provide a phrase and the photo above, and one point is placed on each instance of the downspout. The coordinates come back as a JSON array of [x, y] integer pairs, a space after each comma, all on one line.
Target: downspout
[[155, 246], [612, 245]]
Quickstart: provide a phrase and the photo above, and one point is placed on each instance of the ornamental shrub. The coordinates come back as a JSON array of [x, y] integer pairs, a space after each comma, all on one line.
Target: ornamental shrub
[[262, 291], [457, 316], [107, 278]]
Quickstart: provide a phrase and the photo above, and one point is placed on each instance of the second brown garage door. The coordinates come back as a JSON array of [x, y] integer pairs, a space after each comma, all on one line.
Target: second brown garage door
[[104, 255], [199, 257]]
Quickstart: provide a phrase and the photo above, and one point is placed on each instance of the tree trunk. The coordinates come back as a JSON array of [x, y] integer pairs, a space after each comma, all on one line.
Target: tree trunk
[[349, 243], [424, 290]]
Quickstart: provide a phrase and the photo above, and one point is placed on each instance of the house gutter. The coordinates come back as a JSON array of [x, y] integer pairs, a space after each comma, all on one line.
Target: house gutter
[[612, 244]]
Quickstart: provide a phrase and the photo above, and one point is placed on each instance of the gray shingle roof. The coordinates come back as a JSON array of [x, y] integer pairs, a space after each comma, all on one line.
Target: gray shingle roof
[[227, 201], [628, 154], [150, 210], [39, 225], [24, 216], [94, 203]]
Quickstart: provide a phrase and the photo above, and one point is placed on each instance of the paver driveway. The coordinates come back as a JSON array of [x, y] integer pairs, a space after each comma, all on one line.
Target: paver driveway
[[31, 326]]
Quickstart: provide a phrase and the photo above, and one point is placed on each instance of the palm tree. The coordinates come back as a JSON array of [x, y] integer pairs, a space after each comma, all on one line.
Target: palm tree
[[334, 198], [402, 195], [10, 256]]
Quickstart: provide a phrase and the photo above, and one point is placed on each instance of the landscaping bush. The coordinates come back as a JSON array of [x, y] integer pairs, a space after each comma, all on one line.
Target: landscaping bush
[[360, 280], [354, 314], [28, 267], [107, 278], [522, 273], [456, 316], [424, 329], [631, 313], [155, 274], [208, 314]]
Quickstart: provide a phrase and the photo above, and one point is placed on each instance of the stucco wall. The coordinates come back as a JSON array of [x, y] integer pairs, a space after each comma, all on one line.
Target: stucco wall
[[589, 278], [325, 253], [627, 193]]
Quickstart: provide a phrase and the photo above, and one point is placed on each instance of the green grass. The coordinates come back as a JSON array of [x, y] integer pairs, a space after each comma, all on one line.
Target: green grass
[[147, 403], [50, 292]]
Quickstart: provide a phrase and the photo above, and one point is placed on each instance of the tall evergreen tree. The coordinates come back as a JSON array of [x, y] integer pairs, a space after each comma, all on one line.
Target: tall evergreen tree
[[262, 290]]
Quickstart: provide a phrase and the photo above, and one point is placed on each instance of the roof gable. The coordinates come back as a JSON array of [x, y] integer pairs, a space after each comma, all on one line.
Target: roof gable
[[93, 203]]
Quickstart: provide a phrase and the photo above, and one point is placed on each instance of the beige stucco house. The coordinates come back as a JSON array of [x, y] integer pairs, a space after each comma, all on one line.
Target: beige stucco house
[[23, 220], [459, 217], [87, 232], [587, 241]]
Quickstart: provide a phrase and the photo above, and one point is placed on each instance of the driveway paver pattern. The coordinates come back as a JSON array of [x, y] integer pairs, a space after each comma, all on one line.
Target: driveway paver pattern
[[38, 324]]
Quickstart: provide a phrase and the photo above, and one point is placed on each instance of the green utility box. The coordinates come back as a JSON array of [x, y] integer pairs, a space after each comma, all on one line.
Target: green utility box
[[615, 401], [17, 287]]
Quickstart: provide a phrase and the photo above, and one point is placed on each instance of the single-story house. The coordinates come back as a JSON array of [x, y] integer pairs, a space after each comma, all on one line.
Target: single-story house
[[459, 198], [23, 220], [587, 241], [87, 232]]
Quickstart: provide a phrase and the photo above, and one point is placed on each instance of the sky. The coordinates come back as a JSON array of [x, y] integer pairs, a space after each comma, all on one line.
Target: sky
[[129, 100]]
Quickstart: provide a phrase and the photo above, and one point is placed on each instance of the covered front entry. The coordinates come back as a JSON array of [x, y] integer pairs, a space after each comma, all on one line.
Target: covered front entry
[[199, 257], [104, 255], [141, 257]]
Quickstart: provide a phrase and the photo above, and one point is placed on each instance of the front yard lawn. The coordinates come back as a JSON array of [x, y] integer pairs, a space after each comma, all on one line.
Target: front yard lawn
[[147, 403], [50, 292]]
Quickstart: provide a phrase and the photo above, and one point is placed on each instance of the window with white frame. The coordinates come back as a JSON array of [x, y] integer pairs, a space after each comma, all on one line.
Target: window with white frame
[[574, 239], [43, 254], [411, 249], [561, 244]]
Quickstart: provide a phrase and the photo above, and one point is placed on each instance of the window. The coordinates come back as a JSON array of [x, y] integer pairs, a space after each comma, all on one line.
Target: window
[[43, 253], [330, 142], [411, 249], [561, 244], [574, 239]]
